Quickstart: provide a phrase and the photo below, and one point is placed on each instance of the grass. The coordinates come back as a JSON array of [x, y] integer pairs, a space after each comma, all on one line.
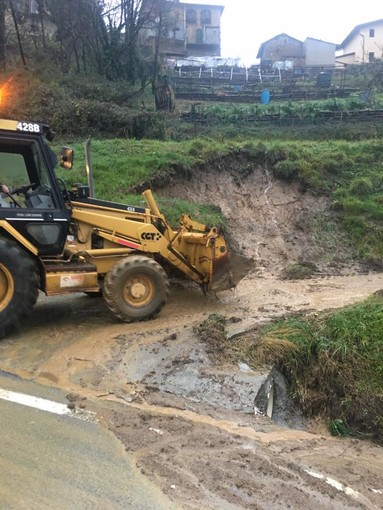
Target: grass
[[335, 364], [121, 166]]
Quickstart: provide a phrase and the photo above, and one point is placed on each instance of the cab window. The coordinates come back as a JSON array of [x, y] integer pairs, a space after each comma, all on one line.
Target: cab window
[[23, 170], [13, 171]]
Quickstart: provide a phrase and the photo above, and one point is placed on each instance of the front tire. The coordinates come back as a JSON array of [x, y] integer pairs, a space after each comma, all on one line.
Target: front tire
[[19, 286], [136, 288]]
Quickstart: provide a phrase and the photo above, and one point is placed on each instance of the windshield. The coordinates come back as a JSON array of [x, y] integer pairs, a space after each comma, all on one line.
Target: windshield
[[22, 166]]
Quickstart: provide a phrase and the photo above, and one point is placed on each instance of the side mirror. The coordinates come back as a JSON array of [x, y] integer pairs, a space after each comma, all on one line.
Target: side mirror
[[66, 157]]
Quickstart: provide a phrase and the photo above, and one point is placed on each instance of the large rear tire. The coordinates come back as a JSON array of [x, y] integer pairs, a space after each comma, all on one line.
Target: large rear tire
[[136, 288], [19, 286]]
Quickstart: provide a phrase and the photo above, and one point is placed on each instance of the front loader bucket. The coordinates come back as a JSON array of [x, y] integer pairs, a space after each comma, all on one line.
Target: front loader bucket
[[229, 270]]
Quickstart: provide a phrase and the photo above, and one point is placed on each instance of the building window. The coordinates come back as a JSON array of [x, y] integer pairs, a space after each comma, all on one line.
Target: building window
[[206, 17], [371, 56], [191, 16], [372, 32]]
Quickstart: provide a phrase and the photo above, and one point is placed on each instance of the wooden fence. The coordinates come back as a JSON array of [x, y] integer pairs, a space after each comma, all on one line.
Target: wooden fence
[[286, 119]]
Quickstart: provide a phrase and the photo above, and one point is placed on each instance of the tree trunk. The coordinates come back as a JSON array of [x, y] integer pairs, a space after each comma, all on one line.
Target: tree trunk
[[41, 17], [22, 55]]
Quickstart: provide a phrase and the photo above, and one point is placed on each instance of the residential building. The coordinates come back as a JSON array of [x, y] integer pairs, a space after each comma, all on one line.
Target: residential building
[[203, 29], [363, 44], [310, 53], [187, 29], [281, 48]]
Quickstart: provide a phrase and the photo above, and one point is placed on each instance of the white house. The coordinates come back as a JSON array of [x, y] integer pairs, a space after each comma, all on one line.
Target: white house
[[363, 44]]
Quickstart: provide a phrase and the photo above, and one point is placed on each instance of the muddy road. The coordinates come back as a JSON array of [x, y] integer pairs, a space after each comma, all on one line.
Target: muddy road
[[188, 420]]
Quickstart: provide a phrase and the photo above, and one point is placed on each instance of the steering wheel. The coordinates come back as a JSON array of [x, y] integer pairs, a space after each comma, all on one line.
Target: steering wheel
[[20, 189]]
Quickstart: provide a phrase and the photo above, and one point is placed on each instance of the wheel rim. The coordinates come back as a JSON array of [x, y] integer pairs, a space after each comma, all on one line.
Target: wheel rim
[[139, 291], [6, 287]]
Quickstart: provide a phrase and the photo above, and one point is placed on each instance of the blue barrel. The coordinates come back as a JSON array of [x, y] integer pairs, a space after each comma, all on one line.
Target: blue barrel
[[265, 96]]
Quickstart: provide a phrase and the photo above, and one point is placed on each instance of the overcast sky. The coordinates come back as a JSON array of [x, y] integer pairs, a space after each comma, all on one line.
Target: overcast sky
[[248, 23]]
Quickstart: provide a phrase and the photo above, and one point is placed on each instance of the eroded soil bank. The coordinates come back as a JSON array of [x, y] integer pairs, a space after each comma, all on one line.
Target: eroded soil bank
[[275, 222]]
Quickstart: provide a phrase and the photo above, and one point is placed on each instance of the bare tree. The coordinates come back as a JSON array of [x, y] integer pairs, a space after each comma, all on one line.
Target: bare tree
[[42, 13], [161, 87], [124, 21], [77, 30], [89, 36]]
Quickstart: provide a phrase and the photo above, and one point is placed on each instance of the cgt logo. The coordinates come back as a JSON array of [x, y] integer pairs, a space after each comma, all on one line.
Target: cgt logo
[[150, 236]]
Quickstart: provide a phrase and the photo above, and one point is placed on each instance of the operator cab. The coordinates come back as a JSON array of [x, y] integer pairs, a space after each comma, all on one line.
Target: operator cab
[[34, 205]]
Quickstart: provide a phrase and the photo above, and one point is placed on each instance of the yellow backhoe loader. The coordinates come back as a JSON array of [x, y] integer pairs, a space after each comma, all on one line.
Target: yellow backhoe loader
[[62, 241]]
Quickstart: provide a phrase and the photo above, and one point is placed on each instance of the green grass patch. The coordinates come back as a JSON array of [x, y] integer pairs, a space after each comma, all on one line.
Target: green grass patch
[[335, 364], [309, 111], [120, 166]]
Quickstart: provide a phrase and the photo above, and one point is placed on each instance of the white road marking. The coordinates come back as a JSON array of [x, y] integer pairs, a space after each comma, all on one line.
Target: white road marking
[[44, 405], [334, 483]]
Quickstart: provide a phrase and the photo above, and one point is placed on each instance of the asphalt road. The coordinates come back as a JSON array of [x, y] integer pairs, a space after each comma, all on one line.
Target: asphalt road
[[48, 461]]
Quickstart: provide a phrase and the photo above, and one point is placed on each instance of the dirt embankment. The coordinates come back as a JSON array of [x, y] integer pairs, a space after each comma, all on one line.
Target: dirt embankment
[[275, 222]]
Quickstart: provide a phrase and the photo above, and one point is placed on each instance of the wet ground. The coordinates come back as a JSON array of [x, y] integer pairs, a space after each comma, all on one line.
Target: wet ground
[[188, 420]]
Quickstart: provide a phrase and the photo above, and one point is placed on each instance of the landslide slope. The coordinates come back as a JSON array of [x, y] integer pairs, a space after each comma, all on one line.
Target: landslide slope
[[278, 223]]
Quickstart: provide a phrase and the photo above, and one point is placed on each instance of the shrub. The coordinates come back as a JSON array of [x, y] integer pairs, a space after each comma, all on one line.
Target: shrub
[[361, 186], [286, 170], [196, 147], [276, 154]]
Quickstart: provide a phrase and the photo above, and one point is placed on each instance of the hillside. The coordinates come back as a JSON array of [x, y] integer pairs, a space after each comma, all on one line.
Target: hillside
[[281, 202]]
